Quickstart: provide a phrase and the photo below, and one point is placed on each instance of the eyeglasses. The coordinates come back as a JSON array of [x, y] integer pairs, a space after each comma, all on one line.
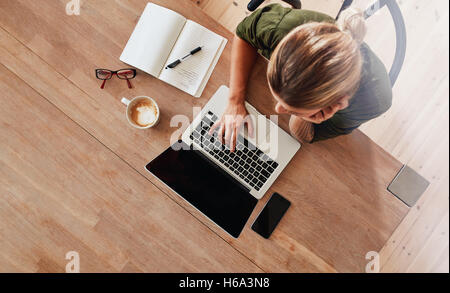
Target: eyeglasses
[[106, 74]]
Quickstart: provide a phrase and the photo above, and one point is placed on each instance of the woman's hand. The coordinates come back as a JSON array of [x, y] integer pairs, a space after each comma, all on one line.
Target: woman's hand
[[301, 129], [327, 113], [231, 122], [243, 57]]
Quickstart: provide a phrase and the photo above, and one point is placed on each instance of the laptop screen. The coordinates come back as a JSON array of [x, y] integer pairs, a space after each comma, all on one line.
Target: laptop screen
[[205, 186]]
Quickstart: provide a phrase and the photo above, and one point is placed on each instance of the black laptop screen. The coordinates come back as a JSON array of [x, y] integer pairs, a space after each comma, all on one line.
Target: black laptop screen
[[205, 186]]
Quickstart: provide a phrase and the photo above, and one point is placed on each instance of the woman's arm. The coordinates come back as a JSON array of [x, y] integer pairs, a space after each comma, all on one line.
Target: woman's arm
[[243, 57], [302, 130]]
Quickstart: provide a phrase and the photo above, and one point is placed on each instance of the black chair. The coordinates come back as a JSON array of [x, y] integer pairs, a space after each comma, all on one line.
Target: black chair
[[400, 32], [255, 4], [396, 15]]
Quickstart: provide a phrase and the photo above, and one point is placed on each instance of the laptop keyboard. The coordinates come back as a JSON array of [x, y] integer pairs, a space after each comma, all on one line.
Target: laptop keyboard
[[247, 162]]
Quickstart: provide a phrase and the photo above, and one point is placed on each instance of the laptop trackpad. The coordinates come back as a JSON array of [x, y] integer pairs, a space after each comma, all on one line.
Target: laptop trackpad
[[205, 186]]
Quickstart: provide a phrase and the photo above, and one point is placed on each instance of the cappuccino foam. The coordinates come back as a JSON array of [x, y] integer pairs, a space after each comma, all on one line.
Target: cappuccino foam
[[144, 114]]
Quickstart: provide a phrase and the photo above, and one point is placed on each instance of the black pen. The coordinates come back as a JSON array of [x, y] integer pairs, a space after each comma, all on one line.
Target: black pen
[[175, 63]]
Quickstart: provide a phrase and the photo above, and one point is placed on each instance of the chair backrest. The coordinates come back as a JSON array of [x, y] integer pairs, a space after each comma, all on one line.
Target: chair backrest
[[253, 4], [396, 14], [400, 33]]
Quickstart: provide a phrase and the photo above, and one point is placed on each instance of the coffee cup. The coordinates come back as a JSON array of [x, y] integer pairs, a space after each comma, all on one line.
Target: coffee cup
[[142, 112]]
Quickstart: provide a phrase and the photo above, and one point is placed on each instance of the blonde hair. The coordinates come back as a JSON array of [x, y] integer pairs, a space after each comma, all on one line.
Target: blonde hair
[[317, 64], [352, 21]]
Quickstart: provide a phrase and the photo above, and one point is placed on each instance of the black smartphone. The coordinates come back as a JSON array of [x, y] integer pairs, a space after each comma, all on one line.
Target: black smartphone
[[271, 215]]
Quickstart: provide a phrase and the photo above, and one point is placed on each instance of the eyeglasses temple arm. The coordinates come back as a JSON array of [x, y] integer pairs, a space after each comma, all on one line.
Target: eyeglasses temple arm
[[103, 84]]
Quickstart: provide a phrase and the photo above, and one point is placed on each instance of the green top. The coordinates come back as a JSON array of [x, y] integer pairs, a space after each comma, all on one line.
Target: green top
[[267, 26]]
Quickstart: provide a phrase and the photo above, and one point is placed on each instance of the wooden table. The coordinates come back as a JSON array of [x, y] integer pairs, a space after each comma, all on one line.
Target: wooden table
[[72, 172]]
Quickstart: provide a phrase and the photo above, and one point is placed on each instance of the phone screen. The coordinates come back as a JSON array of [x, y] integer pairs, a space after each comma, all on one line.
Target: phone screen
[[271, 215]]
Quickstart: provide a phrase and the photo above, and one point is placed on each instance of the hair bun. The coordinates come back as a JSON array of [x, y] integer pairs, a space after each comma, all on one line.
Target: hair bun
[[352, 21]]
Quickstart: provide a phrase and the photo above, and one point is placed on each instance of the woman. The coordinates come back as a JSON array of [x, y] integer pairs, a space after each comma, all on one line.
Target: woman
[[320, 72]]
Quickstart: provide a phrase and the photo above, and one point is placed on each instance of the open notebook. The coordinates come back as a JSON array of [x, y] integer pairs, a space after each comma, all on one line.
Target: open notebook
[[163, 36]]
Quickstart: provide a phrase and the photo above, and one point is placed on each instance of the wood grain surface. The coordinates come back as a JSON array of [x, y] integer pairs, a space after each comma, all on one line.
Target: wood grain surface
[[121, 217]]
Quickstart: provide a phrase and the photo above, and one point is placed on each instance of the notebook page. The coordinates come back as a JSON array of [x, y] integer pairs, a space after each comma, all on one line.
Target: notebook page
[[211, 68], [153, 38], [188, 75]]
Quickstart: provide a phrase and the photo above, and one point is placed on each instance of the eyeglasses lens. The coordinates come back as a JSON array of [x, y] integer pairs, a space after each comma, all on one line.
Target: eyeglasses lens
[[103, 74], [125, 74]]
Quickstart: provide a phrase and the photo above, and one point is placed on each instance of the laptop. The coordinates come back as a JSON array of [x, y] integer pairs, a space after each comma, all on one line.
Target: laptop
[[225, 186]]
